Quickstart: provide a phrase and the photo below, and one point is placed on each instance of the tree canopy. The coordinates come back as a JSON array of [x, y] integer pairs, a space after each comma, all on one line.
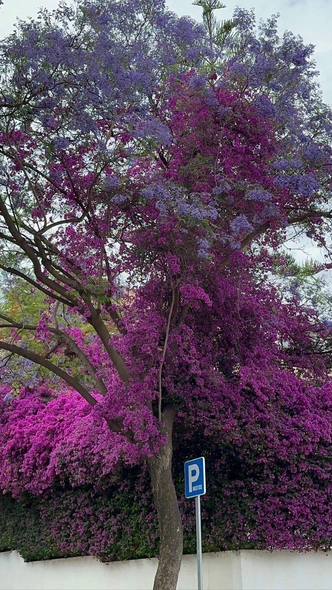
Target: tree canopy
[[151, 170]]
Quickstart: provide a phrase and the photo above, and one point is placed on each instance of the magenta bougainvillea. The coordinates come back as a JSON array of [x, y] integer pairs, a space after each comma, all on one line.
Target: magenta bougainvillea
[[150, 176]]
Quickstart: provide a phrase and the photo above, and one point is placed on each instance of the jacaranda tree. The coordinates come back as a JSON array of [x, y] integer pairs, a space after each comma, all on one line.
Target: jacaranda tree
[[150, 175]]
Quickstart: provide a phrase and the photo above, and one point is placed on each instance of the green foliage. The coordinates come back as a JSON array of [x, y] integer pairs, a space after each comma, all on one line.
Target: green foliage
[[218, 31], [113, 525], [307, 282], [23, 529], [22, 303]]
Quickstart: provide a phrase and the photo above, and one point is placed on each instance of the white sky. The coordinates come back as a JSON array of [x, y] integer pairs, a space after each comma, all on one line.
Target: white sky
[[310, 18]]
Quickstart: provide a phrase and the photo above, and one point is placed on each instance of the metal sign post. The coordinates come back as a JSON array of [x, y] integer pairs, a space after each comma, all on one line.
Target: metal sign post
[[195, 487], [199, 543]]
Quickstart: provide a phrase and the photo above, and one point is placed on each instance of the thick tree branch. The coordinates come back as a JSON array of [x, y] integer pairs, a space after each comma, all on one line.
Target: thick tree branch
[[62, 338], [40, 360], [33, 257], [26, 278], [104, 335], [306, 216], [310, 214]]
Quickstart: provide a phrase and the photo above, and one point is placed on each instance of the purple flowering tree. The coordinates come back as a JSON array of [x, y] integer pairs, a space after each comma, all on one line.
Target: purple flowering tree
[[149, 178]]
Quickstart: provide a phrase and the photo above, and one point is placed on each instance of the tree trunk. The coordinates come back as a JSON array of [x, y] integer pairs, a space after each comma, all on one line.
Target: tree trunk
[[170, 524]]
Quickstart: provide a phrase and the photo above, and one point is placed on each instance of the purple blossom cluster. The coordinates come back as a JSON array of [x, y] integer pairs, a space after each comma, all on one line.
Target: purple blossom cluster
[[304, 184], [241, 225], [259, 196]]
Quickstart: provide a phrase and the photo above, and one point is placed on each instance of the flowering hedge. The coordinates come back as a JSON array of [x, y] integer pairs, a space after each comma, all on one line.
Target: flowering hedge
[[111, 525], [268, 487]]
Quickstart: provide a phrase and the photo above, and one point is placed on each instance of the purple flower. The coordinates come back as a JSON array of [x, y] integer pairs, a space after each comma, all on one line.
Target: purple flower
[[259, 196], [313, 154], [241, 226], [286, 164], [265, 105], [118, 199], [305, 184], [204, 247]]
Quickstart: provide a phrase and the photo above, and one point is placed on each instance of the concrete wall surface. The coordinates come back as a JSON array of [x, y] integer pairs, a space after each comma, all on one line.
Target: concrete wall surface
[[243, 570]]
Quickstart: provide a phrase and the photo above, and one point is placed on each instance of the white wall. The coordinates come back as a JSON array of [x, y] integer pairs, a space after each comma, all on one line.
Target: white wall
[[243, 570]]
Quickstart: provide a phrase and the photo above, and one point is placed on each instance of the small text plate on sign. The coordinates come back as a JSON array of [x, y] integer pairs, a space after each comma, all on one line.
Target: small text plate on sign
[[194, 477]]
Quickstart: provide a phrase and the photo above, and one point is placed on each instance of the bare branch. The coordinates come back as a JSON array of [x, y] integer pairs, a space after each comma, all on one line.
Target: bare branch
[[18, 273], [32, 255], [306, 216], [63, 338], [40, 360], [163, 356]]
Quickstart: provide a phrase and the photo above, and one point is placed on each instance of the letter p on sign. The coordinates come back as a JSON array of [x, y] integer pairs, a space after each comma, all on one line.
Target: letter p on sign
[[194, 477]]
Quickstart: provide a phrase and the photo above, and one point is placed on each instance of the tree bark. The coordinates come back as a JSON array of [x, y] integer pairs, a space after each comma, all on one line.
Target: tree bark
[[170, 523]]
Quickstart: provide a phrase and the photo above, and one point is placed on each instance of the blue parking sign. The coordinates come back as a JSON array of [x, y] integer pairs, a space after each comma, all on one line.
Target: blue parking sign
[[194, 478]]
